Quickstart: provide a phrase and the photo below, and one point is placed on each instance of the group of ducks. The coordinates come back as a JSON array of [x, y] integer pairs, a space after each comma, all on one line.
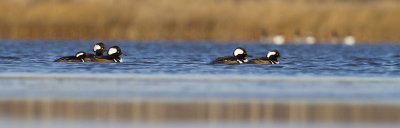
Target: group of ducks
[[240, 54], [114, 53]]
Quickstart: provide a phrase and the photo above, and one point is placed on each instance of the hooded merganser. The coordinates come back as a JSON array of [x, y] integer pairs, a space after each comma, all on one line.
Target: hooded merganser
[[271, 58], [98, 49], [79, 57], [114, 54], [239, 57]]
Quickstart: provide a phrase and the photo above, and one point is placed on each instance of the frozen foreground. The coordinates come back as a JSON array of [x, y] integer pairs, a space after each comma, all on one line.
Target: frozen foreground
[[126, 100]]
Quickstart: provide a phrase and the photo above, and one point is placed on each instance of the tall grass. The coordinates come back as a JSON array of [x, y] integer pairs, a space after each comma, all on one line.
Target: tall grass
[[254, 111], [221, 20]]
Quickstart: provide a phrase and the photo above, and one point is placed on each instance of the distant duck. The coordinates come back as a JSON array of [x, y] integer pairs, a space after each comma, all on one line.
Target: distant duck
[[114, 55], [79, 57], [349, 40], [278, 40], [239, 57], [98, 49], [310, 40], [271, 58]]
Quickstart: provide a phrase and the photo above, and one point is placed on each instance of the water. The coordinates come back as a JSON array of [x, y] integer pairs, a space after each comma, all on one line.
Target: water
[[183, 69], [194, 58], [314, 86]]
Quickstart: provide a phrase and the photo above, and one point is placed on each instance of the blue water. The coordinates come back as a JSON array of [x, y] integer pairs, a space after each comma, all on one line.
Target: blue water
[[194, 58], [181, 71]]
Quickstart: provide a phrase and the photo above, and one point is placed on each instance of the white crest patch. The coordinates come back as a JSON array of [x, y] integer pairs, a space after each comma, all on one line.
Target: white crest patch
[[270, 54], [96, 47], [238, 52], [112, 51], [79, 54]]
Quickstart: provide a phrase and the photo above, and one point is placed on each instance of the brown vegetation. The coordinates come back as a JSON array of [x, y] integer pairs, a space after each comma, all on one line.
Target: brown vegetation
[[155, 110], [367, 20]]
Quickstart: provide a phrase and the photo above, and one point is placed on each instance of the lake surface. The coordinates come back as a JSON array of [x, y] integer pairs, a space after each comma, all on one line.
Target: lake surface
[[194, 58], [314, 86]]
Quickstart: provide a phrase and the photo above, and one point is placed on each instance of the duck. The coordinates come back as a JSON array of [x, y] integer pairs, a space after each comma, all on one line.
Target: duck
[[114, 54], [270, 58], [98, 49], [239, 57], [79, 57]]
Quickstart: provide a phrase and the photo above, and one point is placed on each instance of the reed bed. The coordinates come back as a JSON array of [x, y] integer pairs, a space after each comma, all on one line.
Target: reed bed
[[256, 111], [218, 20]]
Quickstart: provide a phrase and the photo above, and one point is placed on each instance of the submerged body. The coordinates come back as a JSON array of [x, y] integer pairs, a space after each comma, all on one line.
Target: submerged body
[[226, 60], [262, 60], [79, 57], [68, 59], [239, 57], [270, 58], [105, 59]]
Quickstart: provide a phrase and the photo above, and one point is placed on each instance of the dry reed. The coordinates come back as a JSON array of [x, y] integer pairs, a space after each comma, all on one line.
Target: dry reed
[[220, 20], [221, 111]]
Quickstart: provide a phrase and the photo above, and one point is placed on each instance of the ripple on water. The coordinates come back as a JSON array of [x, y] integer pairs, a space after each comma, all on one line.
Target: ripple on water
[[194, 58]]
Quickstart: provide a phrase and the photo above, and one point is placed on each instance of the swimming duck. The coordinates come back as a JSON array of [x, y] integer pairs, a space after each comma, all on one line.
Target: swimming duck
[[271, 58], [79, 57], [114, 54], [239, 57], [98, 49]]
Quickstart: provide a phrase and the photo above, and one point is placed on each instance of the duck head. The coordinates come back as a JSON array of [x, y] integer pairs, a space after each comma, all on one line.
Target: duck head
[[241, 54], [115, 52], [99, 49], [273, 56], [81, 55]]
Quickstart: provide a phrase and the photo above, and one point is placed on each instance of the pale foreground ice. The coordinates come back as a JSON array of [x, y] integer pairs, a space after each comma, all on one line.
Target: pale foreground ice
[[187, 87]]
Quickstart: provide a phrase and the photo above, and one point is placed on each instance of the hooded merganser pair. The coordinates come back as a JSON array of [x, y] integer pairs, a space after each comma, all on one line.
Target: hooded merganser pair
[[114, 54], [240, 54]]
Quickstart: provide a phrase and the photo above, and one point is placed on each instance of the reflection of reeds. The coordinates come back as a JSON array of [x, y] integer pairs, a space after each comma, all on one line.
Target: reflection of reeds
[[369, 20], [214, 111]]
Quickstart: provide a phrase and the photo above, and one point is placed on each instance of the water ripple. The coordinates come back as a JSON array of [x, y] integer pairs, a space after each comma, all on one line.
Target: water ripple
[[194, 58]]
